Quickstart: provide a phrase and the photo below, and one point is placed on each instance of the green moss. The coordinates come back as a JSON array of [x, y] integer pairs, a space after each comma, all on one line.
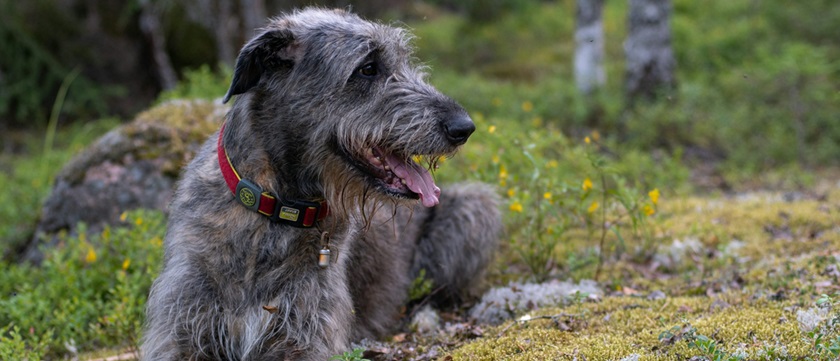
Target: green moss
[[618, 327], [174, 131]]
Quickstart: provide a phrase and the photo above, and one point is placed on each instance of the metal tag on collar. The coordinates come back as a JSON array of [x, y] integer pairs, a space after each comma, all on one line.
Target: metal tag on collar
[[248, 194], [297, 213]]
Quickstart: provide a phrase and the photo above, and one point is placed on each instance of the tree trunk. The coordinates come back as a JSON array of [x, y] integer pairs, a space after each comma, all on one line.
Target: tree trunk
[[650, 62], [152, 29], [226, 31], [253, 16], [589, 51]]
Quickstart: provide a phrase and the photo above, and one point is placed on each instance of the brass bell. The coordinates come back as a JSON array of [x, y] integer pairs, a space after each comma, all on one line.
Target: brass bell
[[324, 258]]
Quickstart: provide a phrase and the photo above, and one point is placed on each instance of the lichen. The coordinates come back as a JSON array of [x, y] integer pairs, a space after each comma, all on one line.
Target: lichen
[[743, 271], [620, 327]]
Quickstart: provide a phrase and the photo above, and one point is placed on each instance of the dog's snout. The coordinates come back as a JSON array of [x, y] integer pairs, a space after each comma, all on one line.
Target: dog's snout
[[458, 128]]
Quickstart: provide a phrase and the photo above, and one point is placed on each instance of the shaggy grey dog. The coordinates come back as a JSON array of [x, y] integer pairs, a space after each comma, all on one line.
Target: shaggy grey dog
[[297, 227]]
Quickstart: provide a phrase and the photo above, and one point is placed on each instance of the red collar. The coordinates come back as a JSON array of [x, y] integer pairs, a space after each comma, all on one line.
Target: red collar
[[297, 213]]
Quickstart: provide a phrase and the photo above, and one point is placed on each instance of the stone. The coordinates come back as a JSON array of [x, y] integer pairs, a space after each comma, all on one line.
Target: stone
[[133, 166]]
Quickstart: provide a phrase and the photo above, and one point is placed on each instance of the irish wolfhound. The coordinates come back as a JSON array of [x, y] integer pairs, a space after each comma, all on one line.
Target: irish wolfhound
[[296, 228]]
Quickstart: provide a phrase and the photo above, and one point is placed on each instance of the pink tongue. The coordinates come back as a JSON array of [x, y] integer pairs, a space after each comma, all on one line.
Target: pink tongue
[[417, 179]]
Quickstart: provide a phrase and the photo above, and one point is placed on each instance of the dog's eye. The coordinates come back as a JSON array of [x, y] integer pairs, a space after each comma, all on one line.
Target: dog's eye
[[368, 70]]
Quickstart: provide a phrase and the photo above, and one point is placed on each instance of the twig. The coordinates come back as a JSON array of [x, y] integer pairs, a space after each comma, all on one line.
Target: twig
[[524, 320], [128, 356], [603, 226]]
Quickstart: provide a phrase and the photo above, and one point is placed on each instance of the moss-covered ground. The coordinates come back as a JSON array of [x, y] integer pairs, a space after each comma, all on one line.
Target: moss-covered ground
[[740, 282]]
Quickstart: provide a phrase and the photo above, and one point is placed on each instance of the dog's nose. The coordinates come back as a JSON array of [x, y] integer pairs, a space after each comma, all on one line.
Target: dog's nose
[[458, 128]]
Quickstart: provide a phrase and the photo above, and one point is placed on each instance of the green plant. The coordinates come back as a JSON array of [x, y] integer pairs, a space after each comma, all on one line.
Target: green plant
[[420, 286], [89, 292], [14, 347], [200, 83], [31, 76], [357, 354], [712, 350], [825, 338]]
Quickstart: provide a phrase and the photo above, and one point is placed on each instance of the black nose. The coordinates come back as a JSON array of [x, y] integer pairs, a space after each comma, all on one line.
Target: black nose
[[458, 128]]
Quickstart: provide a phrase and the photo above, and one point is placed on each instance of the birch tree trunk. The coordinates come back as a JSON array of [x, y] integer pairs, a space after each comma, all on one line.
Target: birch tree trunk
[[650, 63], [152, 29], [589, 49], [253, 16]]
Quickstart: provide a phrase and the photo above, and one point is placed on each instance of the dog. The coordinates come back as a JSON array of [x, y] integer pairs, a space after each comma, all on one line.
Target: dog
[[300, 225]]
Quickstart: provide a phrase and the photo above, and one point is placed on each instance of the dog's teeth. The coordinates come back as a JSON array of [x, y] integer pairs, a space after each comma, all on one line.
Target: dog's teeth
[[402, 181], [387, 167]]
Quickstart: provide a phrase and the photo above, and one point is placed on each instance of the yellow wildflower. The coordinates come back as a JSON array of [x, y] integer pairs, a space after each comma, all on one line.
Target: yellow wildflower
[[552, 164], [587, 184], [91, 255], [595, 135], [511, 192], [495, 159], [648, 210], [537, 122], [491, 129], [503, 172], [156, 241], [527, 106], [126, 263], [587, 140], [593, 207], [138, 221], [516, 207], [123, 215], [654, 196], [547, 195]]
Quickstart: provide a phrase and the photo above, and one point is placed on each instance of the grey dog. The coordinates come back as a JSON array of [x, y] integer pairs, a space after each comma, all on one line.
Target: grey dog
[[301, 224]]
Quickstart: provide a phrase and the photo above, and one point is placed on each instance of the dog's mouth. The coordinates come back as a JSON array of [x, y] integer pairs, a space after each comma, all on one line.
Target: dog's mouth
[[399, 176]]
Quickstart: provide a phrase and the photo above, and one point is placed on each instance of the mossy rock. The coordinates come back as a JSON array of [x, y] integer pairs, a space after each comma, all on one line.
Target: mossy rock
[[133, 166]]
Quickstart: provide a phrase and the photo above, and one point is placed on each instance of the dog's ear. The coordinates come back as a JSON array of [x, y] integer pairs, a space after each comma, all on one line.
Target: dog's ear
[[269, 51]]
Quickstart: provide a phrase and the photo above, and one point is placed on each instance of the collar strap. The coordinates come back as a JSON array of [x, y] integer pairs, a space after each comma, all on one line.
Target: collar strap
[[296, 213]]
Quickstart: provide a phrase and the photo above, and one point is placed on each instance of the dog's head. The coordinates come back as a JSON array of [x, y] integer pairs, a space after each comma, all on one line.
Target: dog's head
[[337, 101]]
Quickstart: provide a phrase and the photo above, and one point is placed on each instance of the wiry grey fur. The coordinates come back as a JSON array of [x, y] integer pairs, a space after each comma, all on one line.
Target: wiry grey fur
[[304, 117]]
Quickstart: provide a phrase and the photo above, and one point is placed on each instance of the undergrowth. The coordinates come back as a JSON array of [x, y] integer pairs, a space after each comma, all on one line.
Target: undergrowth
[[89, 293]]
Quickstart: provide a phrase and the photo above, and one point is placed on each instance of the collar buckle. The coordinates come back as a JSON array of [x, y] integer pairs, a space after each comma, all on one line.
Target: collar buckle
[[248, 194], [297, 213]]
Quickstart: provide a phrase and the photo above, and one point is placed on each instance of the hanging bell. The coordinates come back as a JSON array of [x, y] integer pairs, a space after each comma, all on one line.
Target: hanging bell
[[324, 258]]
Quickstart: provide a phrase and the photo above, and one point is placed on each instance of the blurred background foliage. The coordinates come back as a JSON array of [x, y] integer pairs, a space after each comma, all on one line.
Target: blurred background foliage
[[757, 80]]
